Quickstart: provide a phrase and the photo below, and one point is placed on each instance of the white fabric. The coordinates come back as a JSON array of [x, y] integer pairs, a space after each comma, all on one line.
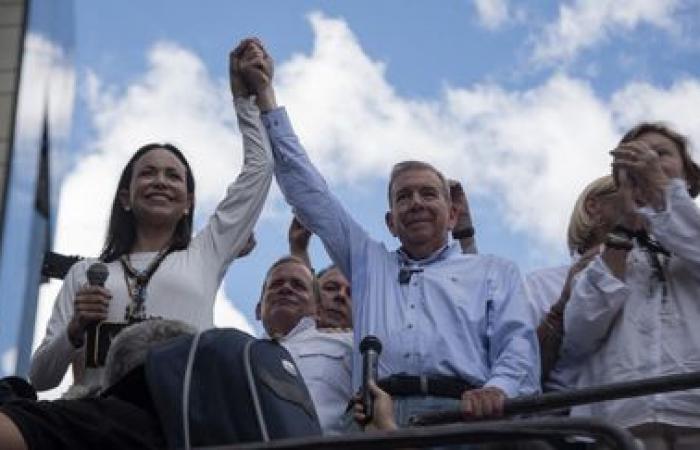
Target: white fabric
[[324, 361], [185, 284], [544, 290], [625, 330]]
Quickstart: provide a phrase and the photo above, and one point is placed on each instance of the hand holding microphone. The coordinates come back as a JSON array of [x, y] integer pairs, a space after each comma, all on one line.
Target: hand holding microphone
[[370, 348], [91, 304]]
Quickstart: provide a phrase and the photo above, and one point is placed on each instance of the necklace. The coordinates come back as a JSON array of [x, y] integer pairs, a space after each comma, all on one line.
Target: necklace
[[137, 284]]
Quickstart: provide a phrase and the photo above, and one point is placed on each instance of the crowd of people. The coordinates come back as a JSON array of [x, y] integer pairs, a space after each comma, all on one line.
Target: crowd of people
[[459, 330]]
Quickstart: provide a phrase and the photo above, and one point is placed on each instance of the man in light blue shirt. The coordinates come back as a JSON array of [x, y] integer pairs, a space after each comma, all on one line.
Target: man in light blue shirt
[[453, 326]]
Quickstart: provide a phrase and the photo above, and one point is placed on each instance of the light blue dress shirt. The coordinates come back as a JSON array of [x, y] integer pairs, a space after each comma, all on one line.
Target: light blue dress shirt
[[460, 315]]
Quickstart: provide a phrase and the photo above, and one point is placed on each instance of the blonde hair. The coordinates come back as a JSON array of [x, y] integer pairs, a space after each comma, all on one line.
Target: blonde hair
[[582, 226]]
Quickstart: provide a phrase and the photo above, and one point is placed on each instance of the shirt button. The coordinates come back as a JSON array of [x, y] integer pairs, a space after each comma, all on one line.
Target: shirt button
[[413, 306], [406, 355], [410, 325]]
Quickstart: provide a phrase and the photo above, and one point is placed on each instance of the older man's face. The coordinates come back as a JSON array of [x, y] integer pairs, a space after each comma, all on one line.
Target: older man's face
[[287, 297], [335, 302], [420, 216]]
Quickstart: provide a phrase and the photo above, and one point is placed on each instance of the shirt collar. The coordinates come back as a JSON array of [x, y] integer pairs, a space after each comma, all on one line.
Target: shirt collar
[[450, 248], [306, 323]]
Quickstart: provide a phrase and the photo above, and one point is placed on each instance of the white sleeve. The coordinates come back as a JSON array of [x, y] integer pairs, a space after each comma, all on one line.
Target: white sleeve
[[51, 359], [539, 302], [597, 297], [677, 227], [235, 216]]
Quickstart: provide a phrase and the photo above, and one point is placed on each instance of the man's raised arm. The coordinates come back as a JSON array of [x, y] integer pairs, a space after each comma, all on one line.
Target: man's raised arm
[[302, 185]]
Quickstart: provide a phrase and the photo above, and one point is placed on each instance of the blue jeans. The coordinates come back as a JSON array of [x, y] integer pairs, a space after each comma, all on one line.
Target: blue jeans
[[406, 407]]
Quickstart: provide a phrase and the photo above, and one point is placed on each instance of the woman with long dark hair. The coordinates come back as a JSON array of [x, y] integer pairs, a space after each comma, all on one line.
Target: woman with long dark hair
[[156, 269]]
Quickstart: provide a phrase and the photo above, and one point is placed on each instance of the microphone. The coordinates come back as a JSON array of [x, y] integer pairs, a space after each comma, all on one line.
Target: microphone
[[370, 347], [97, 274]]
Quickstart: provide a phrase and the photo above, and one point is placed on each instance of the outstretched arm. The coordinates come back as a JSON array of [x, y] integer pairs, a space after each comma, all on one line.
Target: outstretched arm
[[231, 225], [303, 186]]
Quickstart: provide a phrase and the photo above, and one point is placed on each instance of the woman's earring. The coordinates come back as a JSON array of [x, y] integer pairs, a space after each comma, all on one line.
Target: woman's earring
[[185, 212], [127, 208]]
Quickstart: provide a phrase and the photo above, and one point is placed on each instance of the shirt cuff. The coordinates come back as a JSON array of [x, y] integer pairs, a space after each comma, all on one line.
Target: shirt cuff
[[66, 346], [277, 123], [510, 387], [598, 274], [658, 219]]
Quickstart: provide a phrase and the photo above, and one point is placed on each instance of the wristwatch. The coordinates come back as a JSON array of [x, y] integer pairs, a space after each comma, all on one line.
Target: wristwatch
[[466, 232]]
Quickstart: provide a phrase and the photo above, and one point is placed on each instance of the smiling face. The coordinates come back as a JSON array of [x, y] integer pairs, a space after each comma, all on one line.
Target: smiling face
[[335, 302], [421, 215], [157, 193], [287, 297]]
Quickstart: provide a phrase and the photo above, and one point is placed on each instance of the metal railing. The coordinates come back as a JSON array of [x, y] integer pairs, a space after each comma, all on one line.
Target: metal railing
[[574, 397], [528, 430], [440, 428]]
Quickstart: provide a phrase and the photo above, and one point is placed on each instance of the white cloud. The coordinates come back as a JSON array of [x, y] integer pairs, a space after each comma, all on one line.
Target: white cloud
[[227, 316], [355, 126], [531, 150], [8, 361], [492, 13], [583, 23]]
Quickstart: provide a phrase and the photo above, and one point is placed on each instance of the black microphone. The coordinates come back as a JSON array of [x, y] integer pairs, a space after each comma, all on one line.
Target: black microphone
[[97, 274], [370, 347]]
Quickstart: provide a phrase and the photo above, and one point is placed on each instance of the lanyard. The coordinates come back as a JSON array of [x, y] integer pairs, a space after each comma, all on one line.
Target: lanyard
[[137, 284]]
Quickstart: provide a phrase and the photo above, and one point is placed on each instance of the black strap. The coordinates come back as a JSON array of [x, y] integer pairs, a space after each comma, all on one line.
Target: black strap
[[643, 239], [436, 386]]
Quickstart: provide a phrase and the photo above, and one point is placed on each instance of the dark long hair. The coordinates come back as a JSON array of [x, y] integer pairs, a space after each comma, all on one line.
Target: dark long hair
[[121, 232]]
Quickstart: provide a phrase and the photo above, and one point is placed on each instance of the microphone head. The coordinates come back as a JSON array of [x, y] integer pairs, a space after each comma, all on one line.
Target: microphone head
[[97, 274], [370, 343]]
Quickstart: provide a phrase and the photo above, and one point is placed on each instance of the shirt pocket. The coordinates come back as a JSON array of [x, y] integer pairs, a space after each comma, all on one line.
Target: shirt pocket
[[330, 365]]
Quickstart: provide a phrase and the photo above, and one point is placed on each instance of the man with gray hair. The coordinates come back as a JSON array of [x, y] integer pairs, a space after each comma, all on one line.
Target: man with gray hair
[[454, 327], [288, 310], [123, 416]]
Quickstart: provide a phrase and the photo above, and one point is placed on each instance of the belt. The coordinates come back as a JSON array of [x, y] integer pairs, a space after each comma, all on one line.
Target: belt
[[435, 385]]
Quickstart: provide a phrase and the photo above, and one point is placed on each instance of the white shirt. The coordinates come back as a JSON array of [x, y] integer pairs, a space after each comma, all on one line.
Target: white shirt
[[324, 359], [627, 330], [185, 285], [544, 290]]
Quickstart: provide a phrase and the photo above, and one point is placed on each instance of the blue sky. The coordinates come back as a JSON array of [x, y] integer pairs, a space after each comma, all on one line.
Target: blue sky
[[518, 100]]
